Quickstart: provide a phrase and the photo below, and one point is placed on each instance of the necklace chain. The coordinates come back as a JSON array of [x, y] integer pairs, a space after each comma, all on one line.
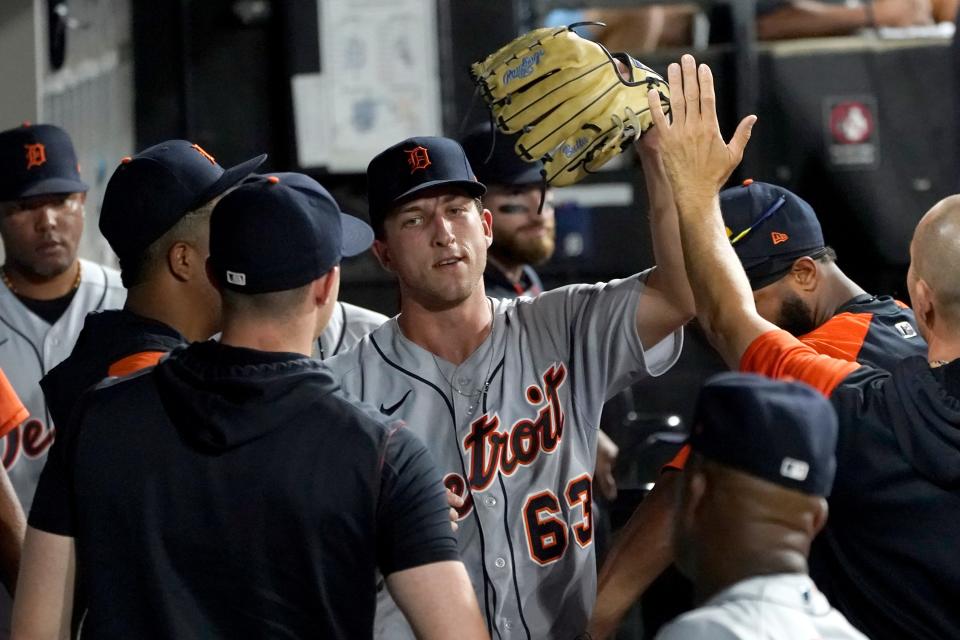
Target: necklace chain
[[479, 392], [13, 289]]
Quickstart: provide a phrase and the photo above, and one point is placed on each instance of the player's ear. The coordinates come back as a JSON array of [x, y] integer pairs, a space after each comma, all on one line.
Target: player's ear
[[804, 273], [328, 286], [486, 219], [820, 516], [922, 299], [382, 251], [180, 260]]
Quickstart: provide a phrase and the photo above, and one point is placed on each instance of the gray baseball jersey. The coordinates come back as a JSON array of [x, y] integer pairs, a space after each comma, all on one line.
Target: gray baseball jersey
[[348, 324], [514, 430], [29, 348], [785, 606]]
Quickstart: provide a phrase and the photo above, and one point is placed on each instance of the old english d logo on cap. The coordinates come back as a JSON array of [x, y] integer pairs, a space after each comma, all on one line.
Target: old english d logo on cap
[[36, 155], [418, 158]]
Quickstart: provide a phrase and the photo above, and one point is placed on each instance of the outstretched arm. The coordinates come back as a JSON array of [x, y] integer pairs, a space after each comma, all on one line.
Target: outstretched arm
[[698, 162], [668, 301], [640, 554]]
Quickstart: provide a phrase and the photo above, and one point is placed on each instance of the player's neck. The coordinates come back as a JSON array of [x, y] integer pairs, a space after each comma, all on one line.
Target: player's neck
[[29, 285], [452, 334], [161, 302], [512, 270], [840, 290], [295, 335], [942, 348]]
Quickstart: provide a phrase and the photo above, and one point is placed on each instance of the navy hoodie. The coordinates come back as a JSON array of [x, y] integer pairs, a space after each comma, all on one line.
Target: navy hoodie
[[888, 557], [234, 493]]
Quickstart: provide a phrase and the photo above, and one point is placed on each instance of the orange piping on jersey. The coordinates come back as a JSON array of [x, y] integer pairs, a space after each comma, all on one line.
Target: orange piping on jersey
[[679, 461], [777, 354], [135, 362], [842, 336], [12, 411]]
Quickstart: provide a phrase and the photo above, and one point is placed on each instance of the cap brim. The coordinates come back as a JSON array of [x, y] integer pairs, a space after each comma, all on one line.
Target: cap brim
[[230, 177], [53, 185], [475, 189], [357, 235]]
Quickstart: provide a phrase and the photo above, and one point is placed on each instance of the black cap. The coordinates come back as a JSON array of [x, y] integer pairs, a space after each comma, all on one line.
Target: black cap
[[37, 160], [280, 232], [782, 432], [152, 191], [414, 165], [770, 227], [504, 167]]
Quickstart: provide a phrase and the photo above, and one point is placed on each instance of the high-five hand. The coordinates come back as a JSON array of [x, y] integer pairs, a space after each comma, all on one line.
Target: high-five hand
[[697, 160]]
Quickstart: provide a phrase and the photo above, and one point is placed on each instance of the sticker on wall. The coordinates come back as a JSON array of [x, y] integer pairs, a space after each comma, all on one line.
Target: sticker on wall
[[850, 128]]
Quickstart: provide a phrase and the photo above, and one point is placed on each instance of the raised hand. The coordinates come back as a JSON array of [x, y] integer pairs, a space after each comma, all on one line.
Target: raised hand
[[697, 160]]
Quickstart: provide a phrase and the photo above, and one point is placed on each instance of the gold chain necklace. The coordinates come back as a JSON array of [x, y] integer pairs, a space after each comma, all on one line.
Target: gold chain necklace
[[13, 289]]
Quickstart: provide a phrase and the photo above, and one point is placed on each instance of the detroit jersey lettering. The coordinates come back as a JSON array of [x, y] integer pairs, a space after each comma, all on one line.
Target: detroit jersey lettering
[[514, 430]]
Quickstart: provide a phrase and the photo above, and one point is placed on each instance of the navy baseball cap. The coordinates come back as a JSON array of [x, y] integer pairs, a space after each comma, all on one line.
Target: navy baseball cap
[[769, 227], [37, 160], [781, 432], [152, 191], [414, 165], [504, 167], [280, 232]]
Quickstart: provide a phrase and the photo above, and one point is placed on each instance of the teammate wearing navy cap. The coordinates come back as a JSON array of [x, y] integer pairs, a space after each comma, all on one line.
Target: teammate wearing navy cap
[[156, 217], [47, 290], [507, 393], [751, 502], [798, 286], [241, 495]]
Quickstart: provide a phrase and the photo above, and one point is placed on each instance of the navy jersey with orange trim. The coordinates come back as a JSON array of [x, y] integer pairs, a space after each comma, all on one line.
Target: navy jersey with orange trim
[[875, 331], [116, 342], [887, 557]]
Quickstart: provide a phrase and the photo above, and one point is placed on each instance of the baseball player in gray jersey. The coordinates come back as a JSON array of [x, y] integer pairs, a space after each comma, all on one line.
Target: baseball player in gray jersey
[[506, 393], [46, 290], [348, 324]]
